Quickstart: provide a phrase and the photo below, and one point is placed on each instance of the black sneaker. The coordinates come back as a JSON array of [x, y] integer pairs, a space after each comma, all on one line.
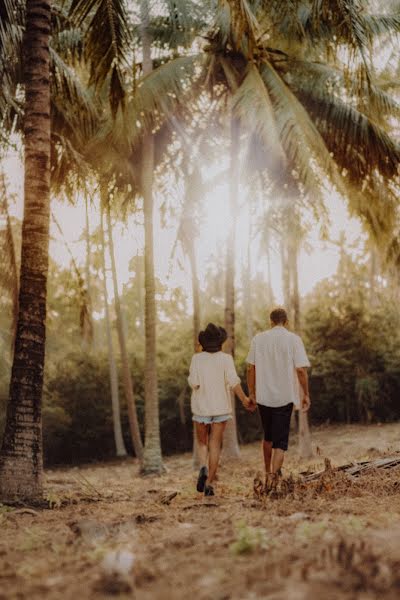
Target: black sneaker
[[202, 478], [209, 490]]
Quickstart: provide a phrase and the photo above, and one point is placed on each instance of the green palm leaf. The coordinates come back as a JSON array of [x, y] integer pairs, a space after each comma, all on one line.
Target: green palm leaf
[[300, 138]]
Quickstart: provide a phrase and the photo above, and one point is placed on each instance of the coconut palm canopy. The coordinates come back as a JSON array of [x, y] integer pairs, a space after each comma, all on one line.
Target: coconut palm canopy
[[298, 77]]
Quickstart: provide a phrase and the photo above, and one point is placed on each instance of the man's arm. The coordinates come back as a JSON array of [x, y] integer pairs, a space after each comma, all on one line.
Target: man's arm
[[302, 376], [251, 382]]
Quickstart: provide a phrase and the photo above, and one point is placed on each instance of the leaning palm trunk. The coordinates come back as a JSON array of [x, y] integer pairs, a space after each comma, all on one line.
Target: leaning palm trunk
[[152, 457], [118, 437], [196, 323], [21, 457], [231, 446], [126, 372]]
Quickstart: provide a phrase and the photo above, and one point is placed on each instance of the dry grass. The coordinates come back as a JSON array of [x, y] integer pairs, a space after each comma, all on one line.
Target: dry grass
[[111, 532]]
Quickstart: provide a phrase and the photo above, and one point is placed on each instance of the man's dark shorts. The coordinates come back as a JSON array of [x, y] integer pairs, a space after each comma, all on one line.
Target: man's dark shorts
[[276, 424]]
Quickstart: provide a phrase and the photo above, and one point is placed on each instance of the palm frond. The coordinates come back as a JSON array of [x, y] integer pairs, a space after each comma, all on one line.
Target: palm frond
[[252, 105], [358, 144], [158, 96], [107, 38], [300, 138], [325, 80]]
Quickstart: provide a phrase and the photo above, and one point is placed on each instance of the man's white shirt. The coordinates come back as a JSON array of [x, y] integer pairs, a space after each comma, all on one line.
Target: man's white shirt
[[276, 354]]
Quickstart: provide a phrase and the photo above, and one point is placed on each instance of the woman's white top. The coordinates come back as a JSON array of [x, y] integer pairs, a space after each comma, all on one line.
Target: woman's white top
[[211, 377]]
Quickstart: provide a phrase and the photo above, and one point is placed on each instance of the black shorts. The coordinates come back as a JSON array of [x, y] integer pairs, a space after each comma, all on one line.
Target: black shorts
[[276, 424]]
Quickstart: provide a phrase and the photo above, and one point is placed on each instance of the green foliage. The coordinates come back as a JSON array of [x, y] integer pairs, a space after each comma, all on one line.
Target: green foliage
[[249, 539], [353, 336]]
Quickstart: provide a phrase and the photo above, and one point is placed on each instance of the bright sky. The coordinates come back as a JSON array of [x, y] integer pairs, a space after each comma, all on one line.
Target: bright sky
[[321, 262]]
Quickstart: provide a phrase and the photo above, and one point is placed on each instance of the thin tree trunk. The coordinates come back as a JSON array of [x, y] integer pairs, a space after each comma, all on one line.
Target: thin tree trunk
[[126, 372], [118, 437], [21, 457], [305, 447], [294, 276], [152, 459], [231, 446], [247, 296], [285, 277], [88, 336], [139, 284], [196, 325]]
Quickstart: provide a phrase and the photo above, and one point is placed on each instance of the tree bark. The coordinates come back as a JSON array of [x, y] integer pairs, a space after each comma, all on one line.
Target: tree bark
[[196, 323], [231, 446], [247, 295], [118, 437], [21, 457], [126, 372], [152, 457], [305, 447]]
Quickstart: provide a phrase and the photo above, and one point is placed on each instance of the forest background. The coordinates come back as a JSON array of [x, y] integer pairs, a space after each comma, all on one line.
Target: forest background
[[350, 320]]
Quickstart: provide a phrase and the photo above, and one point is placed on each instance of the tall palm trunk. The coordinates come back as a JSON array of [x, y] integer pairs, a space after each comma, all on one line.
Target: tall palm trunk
[[21, 457], [88, 339], [247, 295], [231, 446], [196, 321], [126, 372], [152, 457], [118, 437], [305, 447]]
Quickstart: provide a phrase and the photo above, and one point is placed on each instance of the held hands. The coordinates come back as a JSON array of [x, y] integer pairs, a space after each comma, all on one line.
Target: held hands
[[305, 403], [250, 403]]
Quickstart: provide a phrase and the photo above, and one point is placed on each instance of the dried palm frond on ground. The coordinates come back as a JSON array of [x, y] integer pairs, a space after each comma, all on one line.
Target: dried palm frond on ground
[[379, 476]]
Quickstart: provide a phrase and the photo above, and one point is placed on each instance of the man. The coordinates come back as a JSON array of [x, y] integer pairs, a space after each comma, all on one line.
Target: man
[[277, 379]]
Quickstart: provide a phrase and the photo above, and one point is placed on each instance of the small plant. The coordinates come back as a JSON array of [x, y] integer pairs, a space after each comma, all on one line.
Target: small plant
[[249, 539], [53, 500]]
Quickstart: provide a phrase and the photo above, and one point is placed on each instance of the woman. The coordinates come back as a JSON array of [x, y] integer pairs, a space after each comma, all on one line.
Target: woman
[[212, 377]]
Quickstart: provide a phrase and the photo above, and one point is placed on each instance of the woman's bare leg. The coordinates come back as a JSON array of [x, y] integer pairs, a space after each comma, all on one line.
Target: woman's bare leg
[[215, 445], [202, 442]]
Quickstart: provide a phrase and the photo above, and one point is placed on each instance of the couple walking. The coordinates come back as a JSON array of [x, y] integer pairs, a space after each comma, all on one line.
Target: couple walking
[[277, 381]]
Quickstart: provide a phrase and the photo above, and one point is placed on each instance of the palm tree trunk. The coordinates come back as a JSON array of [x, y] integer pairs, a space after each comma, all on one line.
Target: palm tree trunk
[[305, 447], [126, 372], [21, 457], [294, 276], [247, 296], [231, 446], [196, 323], [88, 339], [152, 458], [118, 437]]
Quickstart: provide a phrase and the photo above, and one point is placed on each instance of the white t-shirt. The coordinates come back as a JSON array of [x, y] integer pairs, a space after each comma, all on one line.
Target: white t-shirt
[[215, 374], [277, 354]]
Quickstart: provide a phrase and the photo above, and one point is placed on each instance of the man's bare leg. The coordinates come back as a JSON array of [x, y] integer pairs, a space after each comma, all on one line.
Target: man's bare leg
[[278, 456], [215, 445], [267, 451], [202, 442]]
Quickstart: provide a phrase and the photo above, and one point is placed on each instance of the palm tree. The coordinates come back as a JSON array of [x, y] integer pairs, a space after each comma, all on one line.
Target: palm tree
[[21, 457], [127, 377], [231, 446], [118, 437]]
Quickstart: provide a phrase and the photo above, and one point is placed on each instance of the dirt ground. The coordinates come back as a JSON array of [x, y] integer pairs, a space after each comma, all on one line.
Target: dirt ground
[[112, 533]]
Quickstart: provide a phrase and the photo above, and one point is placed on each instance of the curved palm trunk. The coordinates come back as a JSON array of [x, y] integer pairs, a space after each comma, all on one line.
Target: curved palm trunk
[[89, 339], [126, 372], [231, 446], [21, 457], [118, 437], [152, 457]]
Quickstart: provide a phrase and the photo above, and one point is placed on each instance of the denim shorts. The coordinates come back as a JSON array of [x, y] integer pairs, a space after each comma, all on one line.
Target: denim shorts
[[209, 420]]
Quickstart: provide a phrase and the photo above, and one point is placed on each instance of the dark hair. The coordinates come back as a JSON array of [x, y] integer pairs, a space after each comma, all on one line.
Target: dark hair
[[278, 316], [212, 338]]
